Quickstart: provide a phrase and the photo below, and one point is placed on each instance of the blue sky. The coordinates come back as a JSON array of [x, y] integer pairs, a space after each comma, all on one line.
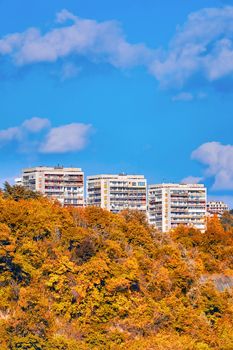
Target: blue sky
[[119, 86]]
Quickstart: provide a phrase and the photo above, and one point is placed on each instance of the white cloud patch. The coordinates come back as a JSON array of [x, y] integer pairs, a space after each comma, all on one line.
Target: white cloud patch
[[19, 133], [36, 124], [70, 70], [183, 96], [203, 45], [65, 15], [187, 96], [37, 135], [10, 134], [191, 180], [218, 159], [66, 138], [98, 41]]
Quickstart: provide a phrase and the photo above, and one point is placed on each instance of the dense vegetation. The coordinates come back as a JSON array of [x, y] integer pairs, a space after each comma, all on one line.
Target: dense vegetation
[[78, 279]]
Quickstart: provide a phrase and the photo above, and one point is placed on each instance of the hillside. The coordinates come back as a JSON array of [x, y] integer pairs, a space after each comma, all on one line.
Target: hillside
[[77, 279]]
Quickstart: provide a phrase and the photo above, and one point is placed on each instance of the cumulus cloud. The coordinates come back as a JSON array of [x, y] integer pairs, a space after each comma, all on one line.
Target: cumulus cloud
[[191, 180], [98, 41], [203, 45], [66, 138], [218, 159], [65, 15], [10, 134], [36, 124], [37, 135], [18, 133]]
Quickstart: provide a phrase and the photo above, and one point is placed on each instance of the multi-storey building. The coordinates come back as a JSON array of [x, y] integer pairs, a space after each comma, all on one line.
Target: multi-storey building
[[170, 205], [18, 181], [64, 184], [117, 192], [216, 208]]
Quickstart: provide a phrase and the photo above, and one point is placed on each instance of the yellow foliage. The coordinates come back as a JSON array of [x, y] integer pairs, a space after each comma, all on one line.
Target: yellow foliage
[[89, 279]]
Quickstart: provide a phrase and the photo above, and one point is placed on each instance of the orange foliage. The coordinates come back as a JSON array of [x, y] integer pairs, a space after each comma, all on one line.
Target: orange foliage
[[89, 279]]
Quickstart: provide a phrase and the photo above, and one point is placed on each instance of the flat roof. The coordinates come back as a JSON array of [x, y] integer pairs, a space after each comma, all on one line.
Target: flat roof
[[176, 185], [49, 168], [115, 176]]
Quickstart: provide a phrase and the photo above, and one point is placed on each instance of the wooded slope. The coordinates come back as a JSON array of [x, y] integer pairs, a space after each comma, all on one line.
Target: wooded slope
[[88, 279]]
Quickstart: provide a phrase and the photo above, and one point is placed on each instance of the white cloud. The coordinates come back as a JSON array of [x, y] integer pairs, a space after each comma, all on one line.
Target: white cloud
[[69, 70], [65, 15], [98, 41], [220, 62], [191, 180], [183, 96], [218, 159], [36, 124], [66, 138], [10, 134], [203, 45], [187, 96], [18, 133], [29, 135]]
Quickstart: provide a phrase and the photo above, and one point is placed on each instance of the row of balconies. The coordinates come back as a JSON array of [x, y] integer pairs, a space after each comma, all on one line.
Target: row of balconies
[[63, 176], [130, 195], [63, 181], [121, 207], [187, 199], [47, 188]]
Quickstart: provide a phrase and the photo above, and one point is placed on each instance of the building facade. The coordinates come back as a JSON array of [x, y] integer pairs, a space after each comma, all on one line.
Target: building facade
[[117, 192], [64, 184], [170, 205], [216, 208], [18, 181]]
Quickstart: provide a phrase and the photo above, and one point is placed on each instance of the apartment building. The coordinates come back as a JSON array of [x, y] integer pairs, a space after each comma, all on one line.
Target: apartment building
[[170, 205], [18, 181], [216, 208], [63, 184], [117, 192]]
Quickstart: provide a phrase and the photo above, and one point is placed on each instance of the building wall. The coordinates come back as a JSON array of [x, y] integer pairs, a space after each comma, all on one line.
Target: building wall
[[217, 208], [64, 184], [18, 181], [117, 192], [170, 205]]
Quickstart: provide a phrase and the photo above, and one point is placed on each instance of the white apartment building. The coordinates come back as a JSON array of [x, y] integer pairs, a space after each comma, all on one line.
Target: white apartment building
[[117, 192], [63, 184], [18, 181], [216, 208], [170, 205]]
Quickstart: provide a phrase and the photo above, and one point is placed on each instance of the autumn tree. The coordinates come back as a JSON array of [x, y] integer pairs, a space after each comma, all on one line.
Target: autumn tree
[[18, 192], [85, 278]]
